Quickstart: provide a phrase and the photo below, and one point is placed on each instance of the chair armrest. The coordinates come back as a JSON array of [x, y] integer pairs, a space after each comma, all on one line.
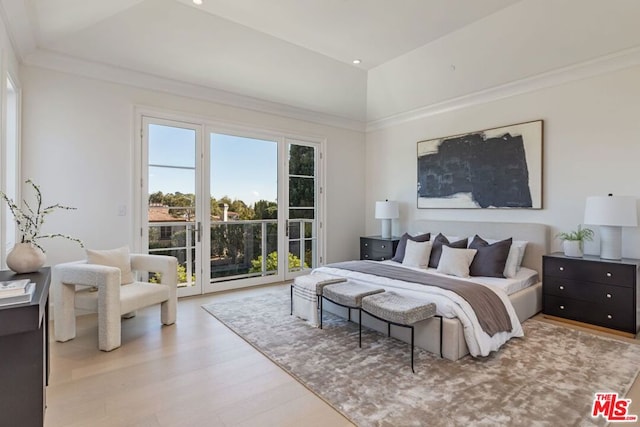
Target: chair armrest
[[166, 265], [81, 273]]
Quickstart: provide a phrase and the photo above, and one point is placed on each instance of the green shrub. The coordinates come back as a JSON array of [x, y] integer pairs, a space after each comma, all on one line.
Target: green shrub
[[272, 263]]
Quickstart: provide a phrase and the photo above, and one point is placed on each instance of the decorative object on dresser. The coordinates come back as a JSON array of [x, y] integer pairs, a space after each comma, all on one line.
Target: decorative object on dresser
[[17, 291], [386, 211], [378, 248], [594, 293], [28, 256], [492, 168], [572, 242], [611, 213]]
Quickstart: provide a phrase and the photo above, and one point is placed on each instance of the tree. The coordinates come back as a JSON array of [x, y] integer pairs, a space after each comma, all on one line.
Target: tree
[[264, 209], [156, 197], [302, 186]]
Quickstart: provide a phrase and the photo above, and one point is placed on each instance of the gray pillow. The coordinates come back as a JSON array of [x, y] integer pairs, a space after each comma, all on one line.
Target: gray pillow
[[436, 248], [402, 244], [490, 259]]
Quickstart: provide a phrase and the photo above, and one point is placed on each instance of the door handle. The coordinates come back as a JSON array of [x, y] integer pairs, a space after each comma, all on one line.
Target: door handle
[[198, 230]]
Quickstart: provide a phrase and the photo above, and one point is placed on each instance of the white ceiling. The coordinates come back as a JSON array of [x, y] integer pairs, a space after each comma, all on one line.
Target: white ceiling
[[292, 52]]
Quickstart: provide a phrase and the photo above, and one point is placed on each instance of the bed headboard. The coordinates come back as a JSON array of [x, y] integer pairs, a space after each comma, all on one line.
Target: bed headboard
[[536, 234]]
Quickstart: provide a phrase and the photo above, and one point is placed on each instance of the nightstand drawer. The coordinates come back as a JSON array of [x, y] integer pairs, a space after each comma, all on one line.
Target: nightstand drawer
[[377, 249], [618, 297], [600, 272], [378, 246]]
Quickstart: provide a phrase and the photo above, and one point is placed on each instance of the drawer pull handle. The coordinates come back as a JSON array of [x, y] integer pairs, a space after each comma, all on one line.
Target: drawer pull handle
[[561, 268], [608, 295], [382, 259], [609, 316], [562, 307], [366, 244], [366, 255], [382, 246], [561, 288], [608, 274]]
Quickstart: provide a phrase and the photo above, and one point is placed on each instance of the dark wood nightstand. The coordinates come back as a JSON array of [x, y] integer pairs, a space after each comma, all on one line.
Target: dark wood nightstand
[[603, 294], [377, 248]]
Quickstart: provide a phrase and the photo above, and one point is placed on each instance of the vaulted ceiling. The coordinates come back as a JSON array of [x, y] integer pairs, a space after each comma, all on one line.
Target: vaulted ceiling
[[292, 52]]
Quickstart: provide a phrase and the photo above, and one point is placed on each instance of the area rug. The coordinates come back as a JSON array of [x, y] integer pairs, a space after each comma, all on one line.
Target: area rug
[[547, 378]]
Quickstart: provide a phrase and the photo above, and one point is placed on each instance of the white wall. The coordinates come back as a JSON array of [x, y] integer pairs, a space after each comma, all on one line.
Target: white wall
[[78, 145], [526, 39], [8, 67], [591, 147]]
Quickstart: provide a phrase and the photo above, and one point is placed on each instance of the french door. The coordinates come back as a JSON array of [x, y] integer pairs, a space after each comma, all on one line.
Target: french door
[[237, 208]]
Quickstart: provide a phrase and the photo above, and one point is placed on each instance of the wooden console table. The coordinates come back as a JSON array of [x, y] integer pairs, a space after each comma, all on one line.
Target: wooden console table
[[24, 354]]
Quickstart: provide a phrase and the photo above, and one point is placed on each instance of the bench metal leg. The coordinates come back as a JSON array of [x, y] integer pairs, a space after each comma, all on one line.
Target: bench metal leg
[[412, 370], [320, 299], [441, 322], [360, 328], [291, 314]]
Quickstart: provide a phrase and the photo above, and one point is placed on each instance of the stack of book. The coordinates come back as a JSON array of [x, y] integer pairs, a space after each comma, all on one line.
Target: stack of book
[[16, 291]]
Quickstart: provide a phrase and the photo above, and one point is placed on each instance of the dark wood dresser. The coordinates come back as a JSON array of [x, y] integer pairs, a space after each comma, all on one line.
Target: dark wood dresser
[[592, 291], [377, 248], [24, 354]]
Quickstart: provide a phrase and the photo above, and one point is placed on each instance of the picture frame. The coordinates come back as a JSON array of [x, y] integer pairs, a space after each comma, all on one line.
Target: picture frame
[[493, 168]]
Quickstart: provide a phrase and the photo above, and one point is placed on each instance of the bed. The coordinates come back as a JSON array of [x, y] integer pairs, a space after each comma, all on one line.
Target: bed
[[521, 294]]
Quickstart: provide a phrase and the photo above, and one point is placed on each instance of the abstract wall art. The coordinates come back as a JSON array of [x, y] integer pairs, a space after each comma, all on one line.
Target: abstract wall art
[[492, 168]]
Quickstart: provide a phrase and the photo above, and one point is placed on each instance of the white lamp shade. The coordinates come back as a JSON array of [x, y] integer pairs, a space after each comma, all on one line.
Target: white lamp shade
[[611, 210], [387, 210]]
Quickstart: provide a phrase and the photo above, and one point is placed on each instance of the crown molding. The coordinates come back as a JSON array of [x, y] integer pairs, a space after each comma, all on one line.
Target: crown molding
[[583, 70], [68, 64]]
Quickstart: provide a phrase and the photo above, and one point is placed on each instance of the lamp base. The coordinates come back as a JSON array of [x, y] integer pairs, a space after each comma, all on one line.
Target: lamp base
[[386, 228], [610, 242]]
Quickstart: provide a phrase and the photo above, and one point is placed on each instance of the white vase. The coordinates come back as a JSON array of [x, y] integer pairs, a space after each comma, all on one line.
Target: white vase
[[25, 258], [572, 248]]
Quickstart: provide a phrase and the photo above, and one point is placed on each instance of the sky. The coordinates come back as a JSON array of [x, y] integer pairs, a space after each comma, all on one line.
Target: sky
[[241, 168]]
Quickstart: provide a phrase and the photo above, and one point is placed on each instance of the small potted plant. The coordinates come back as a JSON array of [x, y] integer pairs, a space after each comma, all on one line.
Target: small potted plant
[[27, 255], [572, 242]]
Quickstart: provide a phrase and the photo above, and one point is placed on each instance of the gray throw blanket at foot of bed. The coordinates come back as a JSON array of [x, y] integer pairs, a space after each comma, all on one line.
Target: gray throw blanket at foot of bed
[[489, 308]]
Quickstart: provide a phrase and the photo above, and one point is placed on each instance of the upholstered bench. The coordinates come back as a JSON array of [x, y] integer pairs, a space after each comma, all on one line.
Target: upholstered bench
[[307, 289], [399, 310], [347, 294]]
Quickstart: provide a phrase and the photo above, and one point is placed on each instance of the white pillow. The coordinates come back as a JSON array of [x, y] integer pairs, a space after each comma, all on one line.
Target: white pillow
[[417, 254], [522, 244], [113, 258], [514, 259], [456, 262]]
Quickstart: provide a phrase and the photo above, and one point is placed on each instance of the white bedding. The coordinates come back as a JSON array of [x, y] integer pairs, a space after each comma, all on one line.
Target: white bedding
[[523, 278], [451, 305]]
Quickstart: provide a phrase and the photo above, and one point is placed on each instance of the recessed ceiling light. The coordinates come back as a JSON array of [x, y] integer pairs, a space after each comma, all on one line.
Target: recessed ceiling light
[[356, 61], [198, 2]]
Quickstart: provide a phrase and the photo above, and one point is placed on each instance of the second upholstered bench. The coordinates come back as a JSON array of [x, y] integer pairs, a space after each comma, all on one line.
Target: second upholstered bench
[[399, 310]]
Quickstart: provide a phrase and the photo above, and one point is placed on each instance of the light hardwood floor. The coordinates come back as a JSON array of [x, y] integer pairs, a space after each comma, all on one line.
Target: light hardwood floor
[[194, 373]]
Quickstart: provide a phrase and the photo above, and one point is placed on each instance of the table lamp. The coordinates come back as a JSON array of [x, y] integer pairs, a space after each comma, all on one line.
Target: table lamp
[[611, 213], [386, 211]]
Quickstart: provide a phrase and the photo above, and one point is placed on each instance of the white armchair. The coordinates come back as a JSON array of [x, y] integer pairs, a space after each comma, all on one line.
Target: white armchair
[[111, 300]]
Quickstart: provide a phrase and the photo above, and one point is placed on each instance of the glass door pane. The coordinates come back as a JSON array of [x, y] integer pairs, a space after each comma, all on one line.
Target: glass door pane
[[172, 214], [302, 210], [244, 210]]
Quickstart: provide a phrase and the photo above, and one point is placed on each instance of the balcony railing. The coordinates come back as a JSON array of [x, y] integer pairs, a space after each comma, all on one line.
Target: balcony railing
[[239, 248]]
